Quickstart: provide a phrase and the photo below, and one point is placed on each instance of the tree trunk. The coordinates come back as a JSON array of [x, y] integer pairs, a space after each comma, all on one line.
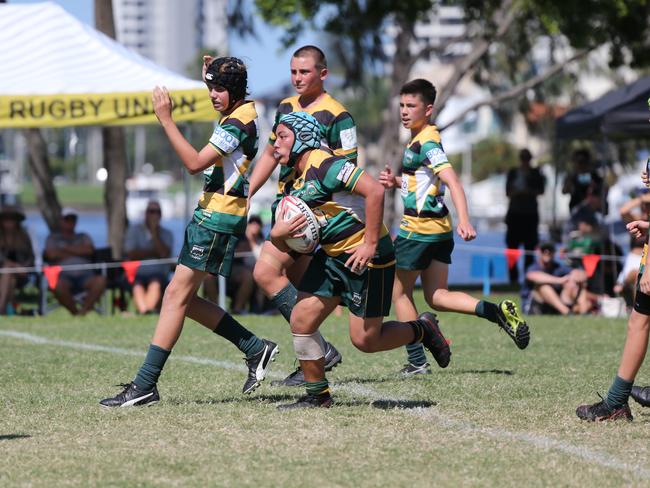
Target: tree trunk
[[39, 165], [390, 148], [114, 152]]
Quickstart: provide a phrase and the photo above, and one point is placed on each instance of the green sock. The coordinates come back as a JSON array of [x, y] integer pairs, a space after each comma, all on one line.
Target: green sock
[[416, 354], [240, 336], [487, 310], [619, 392], [150, 370], [284, 300], [317, 387]]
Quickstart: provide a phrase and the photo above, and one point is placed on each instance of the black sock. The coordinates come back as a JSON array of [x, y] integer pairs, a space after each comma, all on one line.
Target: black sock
[[487, 310], [150, 370], [284, 300], [240, 336]]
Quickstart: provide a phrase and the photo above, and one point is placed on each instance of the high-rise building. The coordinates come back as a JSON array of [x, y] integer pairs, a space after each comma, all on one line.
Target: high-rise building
[[172, 32]]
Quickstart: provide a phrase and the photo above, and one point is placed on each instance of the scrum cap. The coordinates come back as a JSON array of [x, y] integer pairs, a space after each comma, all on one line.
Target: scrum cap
[[229, 73], [306, 129]]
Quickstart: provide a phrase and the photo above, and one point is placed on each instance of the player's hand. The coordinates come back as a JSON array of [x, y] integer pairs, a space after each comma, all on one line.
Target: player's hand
[[284, 229], [645, 179], [361, 256], [387, 178], [466, 231], [638, 228], [644, 281], [162, 103], [207, 59]]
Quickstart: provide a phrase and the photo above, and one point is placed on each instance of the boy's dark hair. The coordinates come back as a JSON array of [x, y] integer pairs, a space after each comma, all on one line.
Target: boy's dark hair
[[421, 87], [315, 52]]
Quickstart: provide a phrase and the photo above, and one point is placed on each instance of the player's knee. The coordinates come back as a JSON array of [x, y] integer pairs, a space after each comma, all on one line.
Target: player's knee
[[264, 275], [434, 300], [364, 343], [308, 347]]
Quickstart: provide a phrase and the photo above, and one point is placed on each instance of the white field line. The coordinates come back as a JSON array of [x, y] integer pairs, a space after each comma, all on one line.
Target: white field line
[[537, 441]]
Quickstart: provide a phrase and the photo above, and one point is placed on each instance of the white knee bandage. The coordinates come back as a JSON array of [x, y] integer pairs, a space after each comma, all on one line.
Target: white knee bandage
[[309, 347]]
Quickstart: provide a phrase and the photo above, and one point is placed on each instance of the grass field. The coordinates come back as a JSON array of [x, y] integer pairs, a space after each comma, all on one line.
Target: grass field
[[496, 416]]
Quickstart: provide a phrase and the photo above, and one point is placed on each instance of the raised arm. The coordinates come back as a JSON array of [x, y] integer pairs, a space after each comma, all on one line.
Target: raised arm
[[194, 161]]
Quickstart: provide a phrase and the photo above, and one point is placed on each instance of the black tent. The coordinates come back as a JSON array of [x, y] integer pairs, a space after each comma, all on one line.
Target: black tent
[[621, 113]]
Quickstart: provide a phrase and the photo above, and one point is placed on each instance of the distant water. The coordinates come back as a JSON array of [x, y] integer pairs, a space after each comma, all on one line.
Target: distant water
[[94, 224]]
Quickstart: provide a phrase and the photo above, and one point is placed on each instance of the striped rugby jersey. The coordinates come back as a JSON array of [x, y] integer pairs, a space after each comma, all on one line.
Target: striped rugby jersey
[[426, 217], [222, 207], [337, 126], [326, 186]]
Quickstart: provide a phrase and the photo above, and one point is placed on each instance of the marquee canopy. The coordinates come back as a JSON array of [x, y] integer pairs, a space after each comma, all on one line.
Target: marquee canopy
[[621, 113], [59, 72]]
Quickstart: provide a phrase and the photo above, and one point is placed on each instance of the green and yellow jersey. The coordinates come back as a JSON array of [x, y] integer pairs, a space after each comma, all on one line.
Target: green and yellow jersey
[[326, 186], [222, 207], [426, 217], [337, 126]]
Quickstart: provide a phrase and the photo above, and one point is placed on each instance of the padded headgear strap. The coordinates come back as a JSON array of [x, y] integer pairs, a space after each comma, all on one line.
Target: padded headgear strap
[[307, 131], [231, 74]]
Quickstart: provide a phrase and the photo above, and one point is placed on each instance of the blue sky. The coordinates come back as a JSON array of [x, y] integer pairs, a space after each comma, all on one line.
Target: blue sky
[[262, 57]]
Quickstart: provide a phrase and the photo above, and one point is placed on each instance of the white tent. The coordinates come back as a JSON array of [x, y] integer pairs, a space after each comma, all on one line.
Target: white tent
[[57, 71]]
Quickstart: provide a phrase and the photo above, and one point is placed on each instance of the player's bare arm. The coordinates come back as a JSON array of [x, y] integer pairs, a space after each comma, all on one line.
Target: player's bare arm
[[194, 161], [464, 228], [638, 228], [373, 193], [262, 170]]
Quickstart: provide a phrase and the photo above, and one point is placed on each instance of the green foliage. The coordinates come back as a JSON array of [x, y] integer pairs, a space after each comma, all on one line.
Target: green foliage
[[489, 156]]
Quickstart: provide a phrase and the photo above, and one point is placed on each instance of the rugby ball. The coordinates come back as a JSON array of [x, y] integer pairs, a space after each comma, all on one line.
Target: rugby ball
[[288, 208]]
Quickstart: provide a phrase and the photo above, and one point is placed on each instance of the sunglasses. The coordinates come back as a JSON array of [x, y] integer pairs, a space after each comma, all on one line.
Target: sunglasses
[[153, 210]]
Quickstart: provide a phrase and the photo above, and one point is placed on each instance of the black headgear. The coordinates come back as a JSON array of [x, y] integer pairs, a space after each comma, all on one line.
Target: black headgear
[[229, 73]]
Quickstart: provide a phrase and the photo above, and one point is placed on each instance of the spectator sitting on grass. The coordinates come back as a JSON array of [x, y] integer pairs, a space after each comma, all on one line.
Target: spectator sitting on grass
[[552, 288]]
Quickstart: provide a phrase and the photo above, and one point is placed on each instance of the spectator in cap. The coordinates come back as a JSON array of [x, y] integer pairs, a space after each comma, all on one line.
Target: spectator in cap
[[149, 240], [523, 185], [15, 252], [553, 288], [68, 247]]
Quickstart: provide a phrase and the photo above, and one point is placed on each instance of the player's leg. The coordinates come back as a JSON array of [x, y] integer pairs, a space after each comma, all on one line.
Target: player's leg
[[405, 310], [272, 273], [308, 313], [259, 353], [142, 390], [615, 406], [505, 314]]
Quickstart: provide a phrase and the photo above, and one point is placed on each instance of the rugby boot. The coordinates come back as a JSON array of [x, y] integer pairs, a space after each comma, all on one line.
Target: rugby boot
[[513, 323], [259, 364]]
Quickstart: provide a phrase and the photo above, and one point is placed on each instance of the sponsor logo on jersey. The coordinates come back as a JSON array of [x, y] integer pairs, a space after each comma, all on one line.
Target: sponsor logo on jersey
[[345, 172], [349, 138], [224, 140], [356, 298], [437, 156]]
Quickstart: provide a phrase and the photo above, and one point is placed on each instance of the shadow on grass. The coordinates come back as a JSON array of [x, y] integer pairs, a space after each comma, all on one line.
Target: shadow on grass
[[505, 372], [287, 398], [10, 437], [385, 379]]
